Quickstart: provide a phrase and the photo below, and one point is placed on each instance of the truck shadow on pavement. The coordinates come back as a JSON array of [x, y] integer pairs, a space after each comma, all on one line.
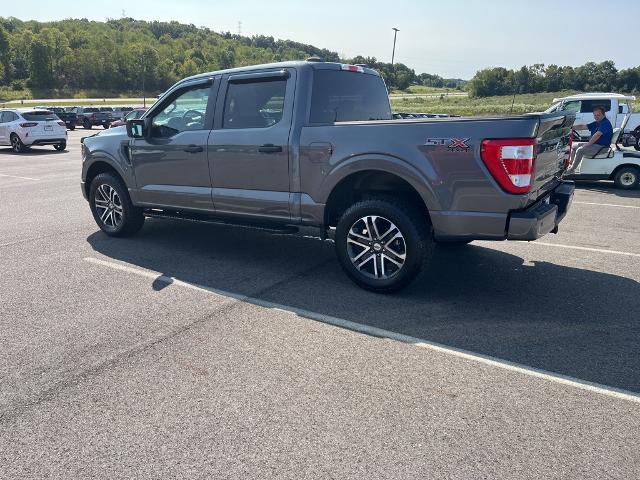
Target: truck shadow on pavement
[[606, 187], [566, 320]]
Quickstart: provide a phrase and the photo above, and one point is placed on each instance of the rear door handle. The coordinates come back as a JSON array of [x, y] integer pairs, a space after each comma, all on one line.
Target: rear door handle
[[193, 149], [269, 148]]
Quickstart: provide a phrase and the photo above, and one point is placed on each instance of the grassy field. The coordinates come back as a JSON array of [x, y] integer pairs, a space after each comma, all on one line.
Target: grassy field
[[466, 106], [133, 102]]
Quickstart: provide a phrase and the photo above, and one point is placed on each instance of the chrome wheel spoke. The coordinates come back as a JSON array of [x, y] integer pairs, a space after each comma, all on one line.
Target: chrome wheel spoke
[[366, 260]]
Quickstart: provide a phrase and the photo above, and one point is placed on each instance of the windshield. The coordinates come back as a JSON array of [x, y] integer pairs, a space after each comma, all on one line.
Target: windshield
[[553, 108]]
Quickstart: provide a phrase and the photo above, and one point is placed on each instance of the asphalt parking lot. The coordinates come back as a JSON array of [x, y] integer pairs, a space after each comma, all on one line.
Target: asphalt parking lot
[[202, 351]]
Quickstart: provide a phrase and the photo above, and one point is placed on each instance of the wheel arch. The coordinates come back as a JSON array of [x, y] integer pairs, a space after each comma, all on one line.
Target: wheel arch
[[615, 171], [370, 182]]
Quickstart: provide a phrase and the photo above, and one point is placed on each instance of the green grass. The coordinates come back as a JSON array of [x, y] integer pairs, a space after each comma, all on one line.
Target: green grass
[[418, 89], [467, 106]]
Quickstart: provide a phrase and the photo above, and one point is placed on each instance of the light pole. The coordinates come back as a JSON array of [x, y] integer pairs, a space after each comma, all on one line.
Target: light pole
[[393, 54]]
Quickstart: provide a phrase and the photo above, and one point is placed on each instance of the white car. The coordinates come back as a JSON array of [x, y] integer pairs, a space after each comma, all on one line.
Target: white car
[[27, 127]]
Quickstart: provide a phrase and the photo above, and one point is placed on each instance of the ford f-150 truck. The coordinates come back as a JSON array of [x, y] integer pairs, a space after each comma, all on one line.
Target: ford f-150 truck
[[314, 144]]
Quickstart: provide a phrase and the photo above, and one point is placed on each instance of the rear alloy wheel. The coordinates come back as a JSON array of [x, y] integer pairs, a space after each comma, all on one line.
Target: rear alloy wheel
[[60, 146], [16, 144], [112, 208], [382, 245], [627, 178]]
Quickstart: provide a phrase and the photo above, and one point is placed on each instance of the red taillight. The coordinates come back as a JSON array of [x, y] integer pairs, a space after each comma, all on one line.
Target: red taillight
[[62, 124], [511, 162], [29, 124]]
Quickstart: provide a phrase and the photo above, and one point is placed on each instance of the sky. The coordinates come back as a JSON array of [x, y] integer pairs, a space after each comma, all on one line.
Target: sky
[[452, 38]]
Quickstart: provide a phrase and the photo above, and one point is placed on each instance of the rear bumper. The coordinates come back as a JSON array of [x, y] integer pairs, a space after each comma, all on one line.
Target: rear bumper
[[47, 141], [543, 216]]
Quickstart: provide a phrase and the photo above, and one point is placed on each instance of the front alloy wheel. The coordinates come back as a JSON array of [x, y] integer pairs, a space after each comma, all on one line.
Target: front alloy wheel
[[108, 206], [376, 247], [112, 208]]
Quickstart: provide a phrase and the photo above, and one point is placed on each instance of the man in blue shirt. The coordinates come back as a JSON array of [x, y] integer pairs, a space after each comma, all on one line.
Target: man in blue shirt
[[601, 134]]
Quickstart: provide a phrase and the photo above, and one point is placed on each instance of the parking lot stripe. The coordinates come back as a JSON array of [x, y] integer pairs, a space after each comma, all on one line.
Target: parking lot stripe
[[379, 332], [588, 249], [607, 205], [15, 176]]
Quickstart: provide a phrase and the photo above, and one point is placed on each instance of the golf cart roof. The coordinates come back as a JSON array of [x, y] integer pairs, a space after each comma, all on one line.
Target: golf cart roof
[[595, 96]]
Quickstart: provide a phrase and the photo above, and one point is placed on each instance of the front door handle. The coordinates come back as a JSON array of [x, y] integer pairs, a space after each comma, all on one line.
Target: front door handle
[[269, 148], [193, 149]]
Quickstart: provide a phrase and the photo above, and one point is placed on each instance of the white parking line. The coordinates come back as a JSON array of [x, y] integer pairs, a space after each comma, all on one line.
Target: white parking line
[[608, 205], [378, 332], [15, 176], [587, 249]]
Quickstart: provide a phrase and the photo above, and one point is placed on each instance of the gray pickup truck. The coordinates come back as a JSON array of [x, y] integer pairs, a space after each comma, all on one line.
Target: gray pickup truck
[[314, 144]]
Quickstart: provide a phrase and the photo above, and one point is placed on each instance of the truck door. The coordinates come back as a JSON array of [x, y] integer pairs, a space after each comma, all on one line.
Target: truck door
[[249, 146], [170, 164]]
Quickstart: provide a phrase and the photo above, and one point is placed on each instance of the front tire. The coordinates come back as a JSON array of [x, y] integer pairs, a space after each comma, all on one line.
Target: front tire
[[16, 144], [112, 208], [382, 244], [627, 178]]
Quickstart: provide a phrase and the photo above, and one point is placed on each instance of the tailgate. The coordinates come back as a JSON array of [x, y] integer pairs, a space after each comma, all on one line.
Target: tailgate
[[553, 138]]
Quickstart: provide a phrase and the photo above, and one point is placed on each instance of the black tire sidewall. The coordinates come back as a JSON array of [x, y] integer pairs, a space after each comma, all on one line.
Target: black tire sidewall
[[417, 235], [130, 216], [19, 148]]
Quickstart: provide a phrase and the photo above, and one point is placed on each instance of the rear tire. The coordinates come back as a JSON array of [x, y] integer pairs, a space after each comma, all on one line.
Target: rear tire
[[16, 144], [383, 244], [112, 208], [72, 127], [627, 178], [60, 146], [105, 125]]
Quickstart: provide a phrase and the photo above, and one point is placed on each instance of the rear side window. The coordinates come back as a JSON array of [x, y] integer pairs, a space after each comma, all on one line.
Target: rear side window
[[90, 110], [39, 116], [341, 96], [257, 104], [589, 105]]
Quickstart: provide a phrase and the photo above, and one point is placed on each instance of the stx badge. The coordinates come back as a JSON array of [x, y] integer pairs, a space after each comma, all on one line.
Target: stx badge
[[454, 144]]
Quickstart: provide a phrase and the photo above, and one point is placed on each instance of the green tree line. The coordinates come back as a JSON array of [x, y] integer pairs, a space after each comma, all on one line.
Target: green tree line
[[590, 77], [117, 55]]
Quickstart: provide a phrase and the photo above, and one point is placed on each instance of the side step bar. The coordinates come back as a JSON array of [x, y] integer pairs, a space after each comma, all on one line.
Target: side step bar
[[193, 217]]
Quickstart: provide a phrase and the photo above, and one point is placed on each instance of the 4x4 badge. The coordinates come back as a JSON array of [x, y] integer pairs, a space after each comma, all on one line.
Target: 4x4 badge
[[454, 144]]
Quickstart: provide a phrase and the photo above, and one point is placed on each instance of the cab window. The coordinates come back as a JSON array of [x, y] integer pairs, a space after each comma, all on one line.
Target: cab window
[[185, 111], [589, 105], [256, 104]]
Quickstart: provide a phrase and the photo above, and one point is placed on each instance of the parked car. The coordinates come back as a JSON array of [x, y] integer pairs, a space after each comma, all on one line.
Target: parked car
[[617, 108], [120, 112], [90, 116], [132, 115], [69, 118], [26, 127], [314, 144]]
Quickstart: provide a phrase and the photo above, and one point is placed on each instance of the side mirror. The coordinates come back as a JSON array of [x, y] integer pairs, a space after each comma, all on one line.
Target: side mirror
[[136, 128]]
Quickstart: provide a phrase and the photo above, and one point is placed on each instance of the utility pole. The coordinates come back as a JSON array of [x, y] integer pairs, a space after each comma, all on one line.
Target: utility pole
[[393, 53], [144, 74]]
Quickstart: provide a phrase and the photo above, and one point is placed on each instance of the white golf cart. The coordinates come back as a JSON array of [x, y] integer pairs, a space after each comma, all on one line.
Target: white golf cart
[[610, 163]]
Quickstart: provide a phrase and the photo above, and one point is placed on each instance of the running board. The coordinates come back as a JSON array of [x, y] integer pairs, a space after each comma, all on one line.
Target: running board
[[192, 217]]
